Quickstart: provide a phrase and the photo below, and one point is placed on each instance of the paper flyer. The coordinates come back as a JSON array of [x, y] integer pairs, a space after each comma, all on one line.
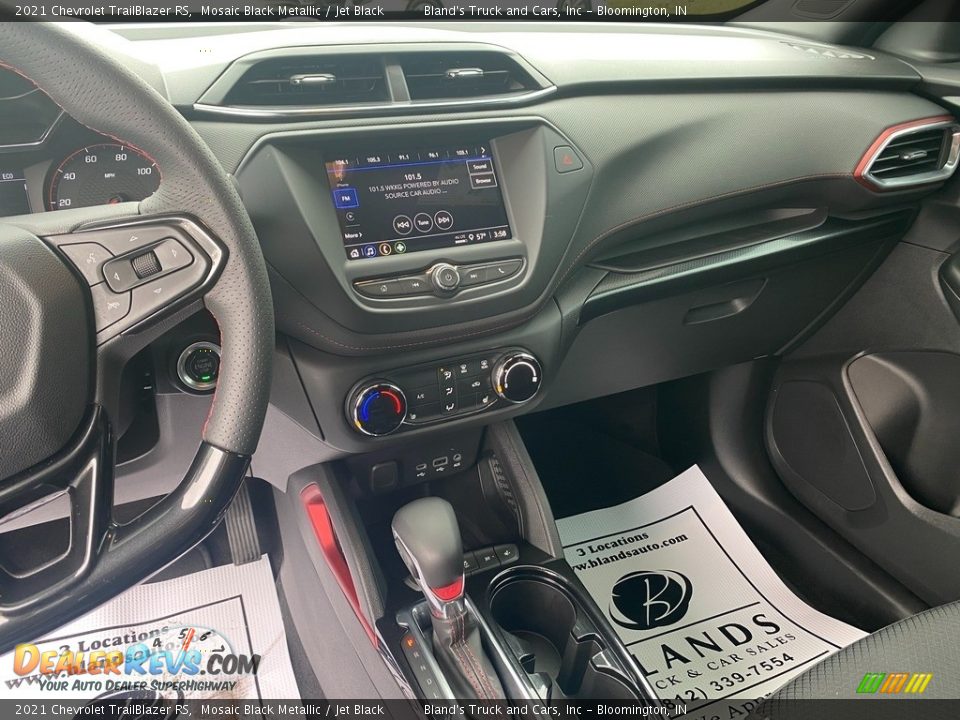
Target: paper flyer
[[214, 634], [705, 616]]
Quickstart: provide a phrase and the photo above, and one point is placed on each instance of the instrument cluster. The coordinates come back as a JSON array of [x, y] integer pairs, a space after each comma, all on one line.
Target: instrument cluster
[[48, 161]]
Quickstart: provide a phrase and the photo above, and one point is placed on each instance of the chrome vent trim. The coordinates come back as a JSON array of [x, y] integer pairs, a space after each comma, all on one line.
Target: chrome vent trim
[[279, 112], [321, 81], [417, 78], [916, 147], [463, 75]]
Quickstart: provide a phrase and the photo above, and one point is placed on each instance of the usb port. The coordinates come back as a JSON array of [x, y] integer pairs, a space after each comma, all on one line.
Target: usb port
[[441, 461]]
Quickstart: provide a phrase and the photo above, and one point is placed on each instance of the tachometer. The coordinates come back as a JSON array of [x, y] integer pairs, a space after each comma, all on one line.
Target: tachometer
[[102, 174]]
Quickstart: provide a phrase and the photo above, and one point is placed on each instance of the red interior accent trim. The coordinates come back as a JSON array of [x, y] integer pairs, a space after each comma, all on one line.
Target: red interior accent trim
[[397, 403], [450, 592], [858, 174], [327, 537]]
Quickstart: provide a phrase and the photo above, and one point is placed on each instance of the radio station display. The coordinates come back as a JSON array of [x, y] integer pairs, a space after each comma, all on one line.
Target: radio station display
[[420, 199]]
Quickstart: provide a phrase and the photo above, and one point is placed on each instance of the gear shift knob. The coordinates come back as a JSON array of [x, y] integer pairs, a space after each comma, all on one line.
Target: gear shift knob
[[428, 539]]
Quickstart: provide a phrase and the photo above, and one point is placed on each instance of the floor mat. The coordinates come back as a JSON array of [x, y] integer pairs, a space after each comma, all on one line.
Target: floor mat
[[216, 633], [707, 619]]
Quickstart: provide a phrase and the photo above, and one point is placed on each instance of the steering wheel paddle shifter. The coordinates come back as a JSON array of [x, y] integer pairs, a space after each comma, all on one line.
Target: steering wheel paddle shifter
[[428, 539]]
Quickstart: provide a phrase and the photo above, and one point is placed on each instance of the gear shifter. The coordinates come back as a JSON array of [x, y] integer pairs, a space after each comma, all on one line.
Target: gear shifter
[[428, 539]]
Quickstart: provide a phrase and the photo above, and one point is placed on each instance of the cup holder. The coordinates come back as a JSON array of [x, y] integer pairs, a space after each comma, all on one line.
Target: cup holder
[[559, 647]]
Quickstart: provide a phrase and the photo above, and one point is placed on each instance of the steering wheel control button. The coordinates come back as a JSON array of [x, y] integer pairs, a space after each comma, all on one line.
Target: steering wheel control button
[[108, 307], [198, 366], [378, 409], [89, 259], [158, 293], [172, 255], [517, 377], [121, 241], [129, 287], [566, 159], [446, 278], [146, 265], [120, 274]]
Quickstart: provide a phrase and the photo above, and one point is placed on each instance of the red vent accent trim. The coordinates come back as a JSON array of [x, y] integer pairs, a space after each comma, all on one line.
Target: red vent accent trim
[[861, 169], [327, 538], [450, 592]]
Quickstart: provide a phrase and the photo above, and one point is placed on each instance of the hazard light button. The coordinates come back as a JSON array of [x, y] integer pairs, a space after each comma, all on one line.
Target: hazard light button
[[566, 159]]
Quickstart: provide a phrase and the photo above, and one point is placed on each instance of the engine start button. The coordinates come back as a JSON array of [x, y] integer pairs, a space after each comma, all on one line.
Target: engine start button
[[198, 366]]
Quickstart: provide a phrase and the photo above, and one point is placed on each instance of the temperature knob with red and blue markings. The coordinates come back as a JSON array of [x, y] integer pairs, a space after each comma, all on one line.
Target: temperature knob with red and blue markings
[[378, 409]]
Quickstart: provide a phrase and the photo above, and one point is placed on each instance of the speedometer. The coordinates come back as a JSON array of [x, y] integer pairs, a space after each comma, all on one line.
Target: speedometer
[[102, 174]]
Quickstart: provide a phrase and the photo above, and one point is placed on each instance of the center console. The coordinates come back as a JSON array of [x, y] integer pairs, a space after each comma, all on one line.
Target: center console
[[459, 580], [528, 633], [385, 241]]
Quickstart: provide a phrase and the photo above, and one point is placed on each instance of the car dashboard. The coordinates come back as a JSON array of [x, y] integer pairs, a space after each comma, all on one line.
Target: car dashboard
[[463, 223]]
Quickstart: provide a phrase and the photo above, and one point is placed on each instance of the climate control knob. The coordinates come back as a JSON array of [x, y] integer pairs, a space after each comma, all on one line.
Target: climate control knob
[[517, 377], [378, 409]]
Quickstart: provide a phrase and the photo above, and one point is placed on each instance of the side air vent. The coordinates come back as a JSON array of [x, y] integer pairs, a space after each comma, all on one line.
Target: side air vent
[[913, 154], [459, 75], [319, 81]]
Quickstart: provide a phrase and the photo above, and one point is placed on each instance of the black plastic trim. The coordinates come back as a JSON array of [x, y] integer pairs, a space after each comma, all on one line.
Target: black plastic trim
[[619, 290]]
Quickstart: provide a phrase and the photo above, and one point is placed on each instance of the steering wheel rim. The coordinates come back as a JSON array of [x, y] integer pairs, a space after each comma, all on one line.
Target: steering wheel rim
[[197, 203]]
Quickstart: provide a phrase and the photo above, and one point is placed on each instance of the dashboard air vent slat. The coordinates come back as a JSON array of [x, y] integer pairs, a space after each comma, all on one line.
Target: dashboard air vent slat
[[914, 155], [313, 81], [467, 74]]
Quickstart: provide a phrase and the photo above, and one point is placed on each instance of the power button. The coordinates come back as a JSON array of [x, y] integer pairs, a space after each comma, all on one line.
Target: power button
[[198, 366], [446, 278]]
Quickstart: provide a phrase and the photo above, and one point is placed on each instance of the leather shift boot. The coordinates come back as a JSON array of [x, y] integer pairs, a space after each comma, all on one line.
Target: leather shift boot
[[459, 651]]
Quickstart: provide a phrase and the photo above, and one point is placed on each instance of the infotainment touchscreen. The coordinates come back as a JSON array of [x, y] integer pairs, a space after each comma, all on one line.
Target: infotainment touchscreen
[[417, 199]]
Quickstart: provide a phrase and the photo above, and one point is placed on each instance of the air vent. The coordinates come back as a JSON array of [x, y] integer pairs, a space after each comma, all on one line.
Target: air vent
[[353, 81], [318, 81], [914, 154], [460, 75]]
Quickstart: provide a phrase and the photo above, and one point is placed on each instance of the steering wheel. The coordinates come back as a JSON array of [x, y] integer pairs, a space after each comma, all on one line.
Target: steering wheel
[[67, 332]]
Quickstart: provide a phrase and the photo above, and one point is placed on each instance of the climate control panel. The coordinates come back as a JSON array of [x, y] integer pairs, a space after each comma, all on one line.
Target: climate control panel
[[426, 394]]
